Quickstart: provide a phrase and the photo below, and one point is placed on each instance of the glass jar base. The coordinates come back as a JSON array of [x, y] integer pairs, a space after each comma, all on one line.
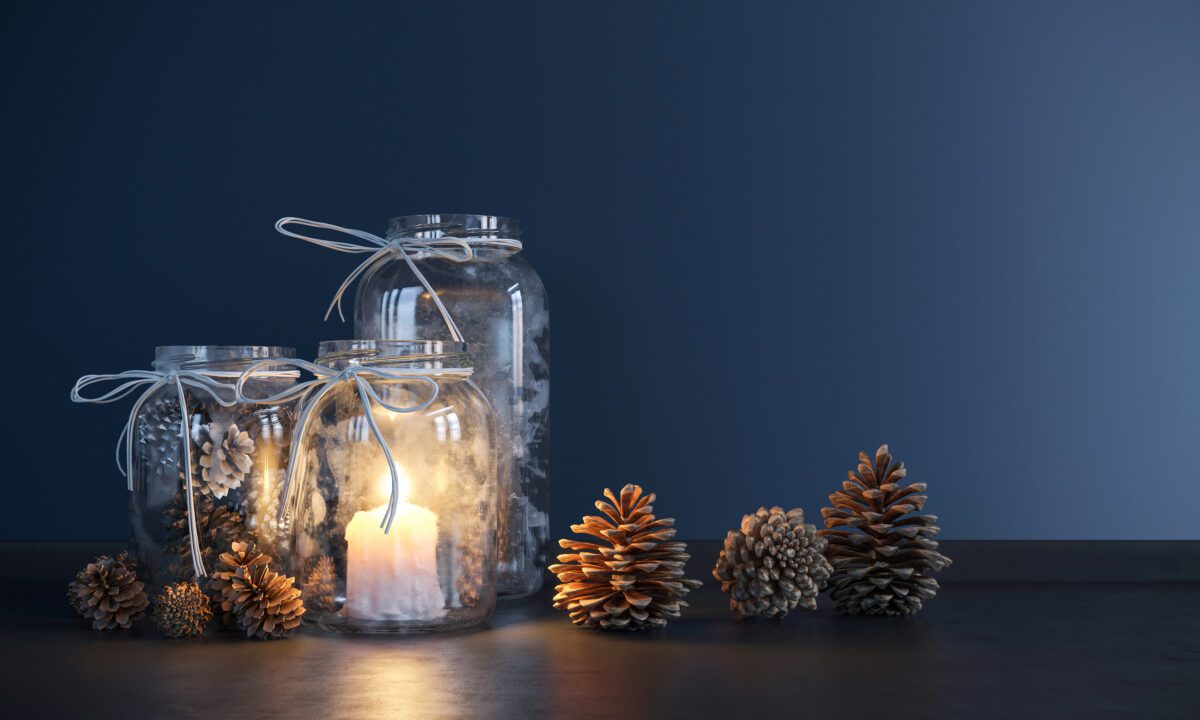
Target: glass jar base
[[342, 624], [515, 587]]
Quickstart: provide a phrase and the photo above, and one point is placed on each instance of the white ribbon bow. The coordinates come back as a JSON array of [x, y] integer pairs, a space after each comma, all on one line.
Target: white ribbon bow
[[130, 381], [325, 379], [454, 249]]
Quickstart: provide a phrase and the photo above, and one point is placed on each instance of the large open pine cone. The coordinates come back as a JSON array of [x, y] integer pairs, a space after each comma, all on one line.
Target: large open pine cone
[[264, 602], [633, 579], [182, 610], [241, 555], [225, 457], [882, 550], [108, 593], [772, 564]]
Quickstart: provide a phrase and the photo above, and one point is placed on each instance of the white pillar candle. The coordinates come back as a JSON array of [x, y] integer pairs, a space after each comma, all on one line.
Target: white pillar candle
[[393, 576]]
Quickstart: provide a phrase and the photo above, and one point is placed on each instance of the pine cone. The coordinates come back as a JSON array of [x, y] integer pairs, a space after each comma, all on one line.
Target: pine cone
[[773, 564], [263, 601], [241, 556], [225, 457], [109, 593], [219, 527], [320, 586], [470, 578], [181, 610], [881, 550], [634, 578], [158, 435]]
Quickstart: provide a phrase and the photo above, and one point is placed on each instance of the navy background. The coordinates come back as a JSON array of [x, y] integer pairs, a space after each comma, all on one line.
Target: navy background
[[773, 234]]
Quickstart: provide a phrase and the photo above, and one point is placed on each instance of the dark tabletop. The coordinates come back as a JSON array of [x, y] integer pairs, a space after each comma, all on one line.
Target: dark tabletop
[[978, 650]]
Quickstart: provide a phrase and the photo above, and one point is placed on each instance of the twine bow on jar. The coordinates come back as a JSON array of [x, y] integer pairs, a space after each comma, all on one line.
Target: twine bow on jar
[[153, 381], [454, 249], [324, 380]]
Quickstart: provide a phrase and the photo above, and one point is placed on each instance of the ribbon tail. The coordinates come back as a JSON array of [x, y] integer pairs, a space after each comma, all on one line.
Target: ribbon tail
[[294, 459], [393, 499], [129, 431], [455, 334], [365, 265], [188, 493]]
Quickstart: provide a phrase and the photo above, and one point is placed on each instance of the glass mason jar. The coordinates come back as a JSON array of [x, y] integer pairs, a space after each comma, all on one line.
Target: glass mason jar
[[499, 305], [238, 452], [434, 569]]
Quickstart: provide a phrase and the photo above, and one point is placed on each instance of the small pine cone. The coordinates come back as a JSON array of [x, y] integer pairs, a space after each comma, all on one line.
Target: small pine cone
[[773, 564], [320, 586], [109, 593], [182, 610], [224, 457], [631, 580], [264, 602], [881, 547], [242, 555]]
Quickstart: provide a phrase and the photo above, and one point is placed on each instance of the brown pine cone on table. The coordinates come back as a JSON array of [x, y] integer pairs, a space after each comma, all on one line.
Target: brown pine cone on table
[[265, 603], [182, 610], [633, 578], [241, 555], [772, 564], [108, 593], [880, 545]]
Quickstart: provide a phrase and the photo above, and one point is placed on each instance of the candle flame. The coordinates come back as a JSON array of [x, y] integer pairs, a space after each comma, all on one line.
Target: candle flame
[[383, 485]]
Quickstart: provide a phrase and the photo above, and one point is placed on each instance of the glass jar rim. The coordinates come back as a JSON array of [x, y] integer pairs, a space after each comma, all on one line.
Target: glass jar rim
[[378, 349], [179, 356], [460, 225]]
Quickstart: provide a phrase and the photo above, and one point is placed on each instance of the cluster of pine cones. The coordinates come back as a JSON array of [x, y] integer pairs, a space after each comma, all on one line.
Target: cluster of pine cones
[[250, 596], [876, 553]]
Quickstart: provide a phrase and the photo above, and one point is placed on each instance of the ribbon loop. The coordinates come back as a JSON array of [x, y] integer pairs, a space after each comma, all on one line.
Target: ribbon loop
[[324, 380], [153, 381]]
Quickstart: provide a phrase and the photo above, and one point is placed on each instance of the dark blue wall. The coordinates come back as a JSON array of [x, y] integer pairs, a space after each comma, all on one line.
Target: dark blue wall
[[773, 234]]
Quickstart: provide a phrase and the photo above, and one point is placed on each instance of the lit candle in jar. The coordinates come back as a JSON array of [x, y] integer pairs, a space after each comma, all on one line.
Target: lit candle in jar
[[393, 576]]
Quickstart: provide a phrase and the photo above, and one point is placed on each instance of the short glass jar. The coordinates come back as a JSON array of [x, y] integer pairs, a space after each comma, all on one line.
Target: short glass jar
[[238, 453], [499, 304], [434, 569]]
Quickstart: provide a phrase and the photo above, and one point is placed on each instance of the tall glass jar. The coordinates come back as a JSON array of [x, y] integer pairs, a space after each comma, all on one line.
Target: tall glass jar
[[434, 569], [499, 305], [238, 452]]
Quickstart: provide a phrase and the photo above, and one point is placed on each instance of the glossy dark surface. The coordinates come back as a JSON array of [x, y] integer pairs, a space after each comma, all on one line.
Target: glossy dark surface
[[978, 650]]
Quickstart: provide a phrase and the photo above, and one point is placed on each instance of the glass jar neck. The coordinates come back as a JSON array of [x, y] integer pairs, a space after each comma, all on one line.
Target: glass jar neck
[[407, 354], [215, 357], [456, 225]]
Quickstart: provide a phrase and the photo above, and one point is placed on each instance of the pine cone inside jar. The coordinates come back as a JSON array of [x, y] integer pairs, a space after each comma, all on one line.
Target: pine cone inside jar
[[158, 435], [241, 556], [108, 593], [772, 564], [264, 603], [880, 546], [320, 586], [633, 578], [219, 526], [182, 610], [225, 451]]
